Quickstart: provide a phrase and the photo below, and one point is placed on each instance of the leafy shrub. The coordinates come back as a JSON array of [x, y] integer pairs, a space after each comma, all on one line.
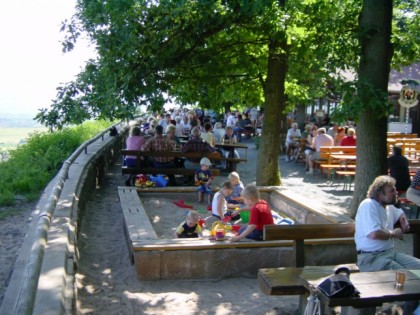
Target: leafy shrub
[[7, 198], [32, 165]]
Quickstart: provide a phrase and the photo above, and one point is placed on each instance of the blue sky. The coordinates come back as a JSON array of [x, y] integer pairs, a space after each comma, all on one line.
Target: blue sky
[[31, 62]]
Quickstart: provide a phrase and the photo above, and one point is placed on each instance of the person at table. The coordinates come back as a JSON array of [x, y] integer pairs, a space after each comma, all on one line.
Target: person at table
[[378, 222], [291, 144], [260, 215], [341, 134], [333, 130], [253, 116], [239, 127], [165, 121], [179, 131], [350, 139], [160, 143], [306, 131], [231, 119], [207, 135], [185, 124], [413, 191], [398, 166], [134, 142], [321, 140], [195, 144], [229, 152], [247, 124], [310, 146], [171, 135], [218, 132]]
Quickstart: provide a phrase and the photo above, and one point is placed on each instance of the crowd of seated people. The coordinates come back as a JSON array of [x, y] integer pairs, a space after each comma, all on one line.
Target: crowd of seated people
[[189, 131], [306, 145]]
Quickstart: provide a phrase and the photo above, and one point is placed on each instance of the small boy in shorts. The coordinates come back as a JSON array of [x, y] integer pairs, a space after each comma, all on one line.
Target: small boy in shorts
[[190, 227], [238, 186], [260, 215], [203, 178]]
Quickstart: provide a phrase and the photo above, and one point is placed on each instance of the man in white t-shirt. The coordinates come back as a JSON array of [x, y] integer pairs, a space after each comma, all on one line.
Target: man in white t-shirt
[[231, 120], [292, 141], [321, 140], [378, 222]]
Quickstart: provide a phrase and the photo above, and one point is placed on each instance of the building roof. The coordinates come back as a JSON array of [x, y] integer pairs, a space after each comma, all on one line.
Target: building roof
[[395, 77]]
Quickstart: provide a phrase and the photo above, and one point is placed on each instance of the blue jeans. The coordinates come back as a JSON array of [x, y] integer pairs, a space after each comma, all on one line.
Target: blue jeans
[[387, 260], [254, 235]]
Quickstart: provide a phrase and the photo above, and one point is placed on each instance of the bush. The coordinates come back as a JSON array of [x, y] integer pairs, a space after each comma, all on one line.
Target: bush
[[32, 165]]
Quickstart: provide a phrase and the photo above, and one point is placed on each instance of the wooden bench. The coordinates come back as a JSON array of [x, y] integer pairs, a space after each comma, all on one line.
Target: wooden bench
[[298, 233], [327, 163], [289, 280], [347, 178], [142, 167]]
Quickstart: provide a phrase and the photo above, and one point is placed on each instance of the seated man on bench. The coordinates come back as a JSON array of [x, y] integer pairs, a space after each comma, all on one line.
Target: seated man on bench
[[195, 144], [160, 143], [378, 222]]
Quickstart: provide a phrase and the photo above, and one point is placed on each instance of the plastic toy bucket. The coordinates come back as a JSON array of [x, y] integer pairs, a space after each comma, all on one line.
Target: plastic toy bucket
[[159, 180], [244, 216]]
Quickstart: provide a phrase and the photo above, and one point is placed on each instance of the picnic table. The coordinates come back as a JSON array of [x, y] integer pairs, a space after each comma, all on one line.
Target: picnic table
[[375, 289], [232, 146]]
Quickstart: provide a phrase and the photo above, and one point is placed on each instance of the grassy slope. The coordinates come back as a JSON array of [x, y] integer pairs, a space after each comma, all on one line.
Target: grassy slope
[[10, 137]]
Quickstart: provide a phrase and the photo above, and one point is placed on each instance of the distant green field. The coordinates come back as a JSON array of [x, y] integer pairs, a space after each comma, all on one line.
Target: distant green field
[[11, 137]]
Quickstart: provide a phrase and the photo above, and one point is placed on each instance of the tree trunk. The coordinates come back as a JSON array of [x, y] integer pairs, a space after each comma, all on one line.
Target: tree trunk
[[268, 172], [375, 31]]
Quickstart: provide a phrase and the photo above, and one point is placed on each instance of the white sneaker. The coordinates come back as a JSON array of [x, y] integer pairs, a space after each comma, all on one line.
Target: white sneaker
[[311, 172]]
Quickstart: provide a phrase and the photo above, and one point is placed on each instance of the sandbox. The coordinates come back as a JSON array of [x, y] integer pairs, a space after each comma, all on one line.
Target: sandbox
[[151, 218]]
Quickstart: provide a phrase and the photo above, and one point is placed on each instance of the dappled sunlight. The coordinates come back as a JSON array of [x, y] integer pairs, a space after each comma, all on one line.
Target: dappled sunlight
[[156, 219], [51, 279]]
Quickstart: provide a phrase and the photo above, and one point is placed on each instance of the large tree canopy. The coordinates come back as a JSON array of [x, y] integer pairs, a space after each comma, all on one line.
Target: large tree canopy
[[275, 53]]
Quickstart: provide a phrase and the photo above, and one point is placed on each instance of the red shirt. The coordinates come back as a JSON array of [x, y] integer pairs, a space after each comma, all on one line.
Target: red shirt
[[348, 141], [261, 215]]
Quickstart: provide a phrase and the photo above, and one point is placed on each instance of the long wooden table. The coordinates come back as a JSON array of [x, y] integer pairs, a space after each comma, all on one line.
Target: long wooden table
[[344, 157], [375, 289], [227, 146]]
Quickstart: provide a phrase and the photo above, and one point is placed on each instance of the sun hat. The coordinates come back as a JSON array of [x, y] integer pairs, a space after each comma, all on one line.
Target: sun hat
[[205, 161]]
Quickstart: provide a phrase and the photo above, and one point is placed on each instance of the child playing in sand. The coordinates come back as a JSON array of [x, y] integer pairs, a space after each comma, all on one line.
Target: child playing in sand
[[219, 206], [190, 227], [235, 197], [260, 215], [203, 180]]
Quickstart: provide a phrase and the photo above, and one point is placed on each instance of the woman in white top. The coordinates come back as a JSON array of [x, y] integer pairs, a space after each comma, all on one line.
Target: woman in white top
[[218, 132], [207, 135]]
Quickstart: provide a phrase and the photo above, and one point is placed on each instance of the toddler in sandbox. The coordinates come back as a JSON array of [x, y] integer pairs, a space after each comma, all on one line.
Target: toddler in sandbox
[[203, 178], [238, 186], [220, 206], [190, 227]]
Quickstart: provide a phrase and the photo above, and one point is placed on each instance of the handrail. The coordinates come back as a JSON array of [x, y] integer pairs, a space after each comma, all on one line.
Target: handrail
[[27, 292]]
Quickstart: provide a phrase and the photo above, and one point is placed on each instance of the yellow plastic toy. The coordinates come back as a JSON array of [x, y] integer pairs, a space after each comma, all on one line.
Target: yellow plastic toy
[[219, 226]]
